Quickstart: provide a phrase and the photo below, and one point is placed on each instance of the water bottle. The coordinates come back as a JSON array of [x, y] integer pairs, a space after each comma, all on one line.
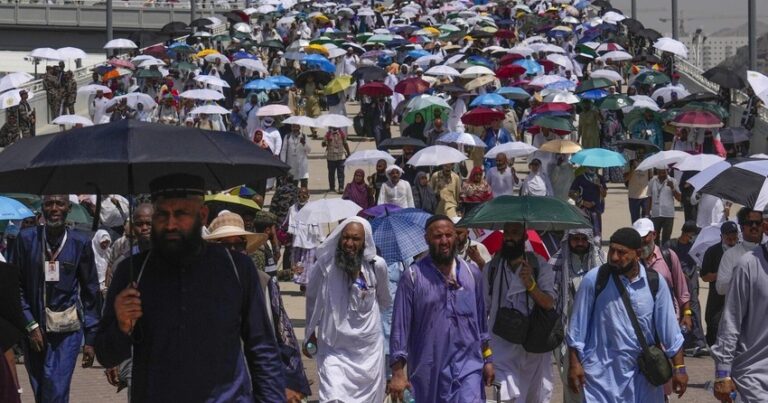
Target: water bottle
[[408, 397], [709, 386], [311, 348]]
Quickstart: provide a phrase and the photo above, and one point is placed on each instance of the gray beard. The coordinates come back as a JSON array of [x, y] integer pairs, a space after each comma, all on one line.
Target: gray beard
[[349, 263], [647, 250]]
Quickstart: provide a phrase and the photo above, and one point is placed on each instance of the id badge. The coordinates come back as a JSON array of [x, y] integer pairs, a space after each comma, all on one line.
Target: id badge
[[51, 271]]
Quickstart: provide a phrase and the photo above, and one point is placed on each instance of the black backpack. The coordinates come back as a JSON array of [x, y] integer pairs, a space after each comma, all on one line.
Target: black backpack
[[604, 274]]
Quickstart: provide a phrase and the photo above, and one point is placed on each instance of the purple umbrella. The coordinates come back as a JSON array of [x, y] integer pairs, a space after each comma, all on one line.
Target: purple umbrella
[[379, 210]]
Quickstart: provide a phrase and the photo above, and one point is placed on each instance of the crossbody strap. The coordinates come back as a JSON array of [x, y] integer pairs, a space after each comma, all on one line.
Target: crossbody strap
[[630, 311]]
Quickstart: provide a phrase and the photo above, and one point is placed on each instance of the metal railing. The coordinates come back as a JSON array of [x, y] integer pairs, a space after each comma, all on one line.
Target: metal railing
[[185, 5]]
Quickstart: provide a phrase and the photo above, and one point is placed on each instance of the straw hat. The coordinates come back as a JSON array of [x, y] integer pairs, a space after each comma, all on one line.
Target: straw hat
[[229, 224]]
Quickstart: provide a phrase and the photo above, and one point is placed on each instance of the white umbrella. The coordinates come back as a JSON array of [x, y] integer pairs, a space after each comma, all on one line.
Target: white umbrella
[[274, 110], [467, 139], [428, 59], [93, 88], [300, 120], [561, 60], [327, 211], [212, 80], [662, 159], [71, 120], [265, 9], [613, 17], [205, 95], [135, 98], [702, 178], [12, 98], [666, 93], [642, 101], [616, 56], [759, 84], [140, 58], [699, 162], [333, 120], [243, 28], [368, 157], [216, 57], [70, 53], [46, 54], [545, 80], [562, 96], [250, 64], [120, 43], [512, 149], [476, 71], [672, 46], [524, 50], [151, 62], [436, 155], [14, 80], [707, 237], [442, 70], [609, 74], [212, 109]]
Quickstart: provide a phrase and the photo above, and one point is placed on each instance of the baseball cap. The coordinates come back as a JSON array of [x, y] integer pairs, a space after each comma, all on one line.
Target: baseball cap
[[729, 227], [643, 226], [690, 226]]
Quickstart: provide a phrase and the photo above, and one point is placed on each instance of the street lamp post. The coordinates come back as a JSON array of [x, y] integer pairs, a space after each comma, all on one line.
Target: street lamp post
[[110, 34], [192, 10], [634, 9], [752, 28], [675, 23]]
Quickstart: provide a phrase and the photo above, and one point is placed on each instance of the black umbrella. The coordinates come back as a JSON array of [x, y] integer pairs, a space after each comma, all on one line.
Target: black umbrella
[[452, 88], [237, 16], [175, 28], [124, 156], [146, 38], [646, 57], [695, 97], [272, 44], [632, 25], [724, 77], [397, 143], [733, 135], [369, 73], [321, 77], [200, 23], [648, 33], [638, 145], [602, 4], [745, 183]]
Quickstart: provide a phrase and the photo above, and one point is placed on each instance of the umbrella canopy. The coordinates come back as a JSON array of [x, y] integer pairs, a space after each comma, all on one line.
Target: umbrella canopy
[[261, 85], [638, 145], [663, 159], [124, 156], [11, 209], [274, 110], [744, 183], [369, 73], [482, 116], [554, 123], [133, 99], [536, 212], [45, 54], [333, 120], [593, 84], [609, 74], [320, 77], [560, 146], [93, 88], [212, 109], [368, 157], [12, 98], [707, 237], [515, 93], [724, 77], [120, 44], [703, 177], [697, 119], [650, 77], [399, 235], [205, 95], [380, 209], [512, 149], [598, 158], [412, 86], [337, 85], [442, 70], [375, 89], [672, 46], [234, 203], [14, 80], [397, 143], [476, 71], [466, 139], [300, 120], [70, 53], [616, 102], [733, 135], [436, 155], [698, 162], [327, 211], [71, 120]]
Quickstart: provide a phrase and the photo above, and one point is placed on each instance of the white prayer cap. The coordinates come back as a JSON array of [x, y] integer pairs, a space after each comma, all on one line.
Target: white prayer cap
[[392, 167]]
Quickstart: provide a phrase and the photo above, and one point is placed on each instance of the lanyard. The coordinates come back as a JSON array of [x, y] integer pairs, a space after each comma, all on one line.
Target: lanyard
[[54, 256]]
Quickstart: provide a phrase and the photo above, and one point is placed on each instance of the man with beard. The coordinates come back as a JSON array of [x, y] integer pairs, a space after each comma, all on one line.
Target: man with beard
[[710, 264], [750, 222], [192, 315], [577, 255], [395, 191], [468, 250], [59, 297], [519, 280], [602, 344], [346, 293], [439, 326]]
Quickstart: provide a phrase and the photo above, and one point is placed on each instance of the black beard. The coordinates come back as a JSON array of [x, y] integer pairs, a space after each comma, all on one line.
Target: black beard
[[349, 263], [176, 250], [580, 251], [622, 270], [512, 250], [442, 258]]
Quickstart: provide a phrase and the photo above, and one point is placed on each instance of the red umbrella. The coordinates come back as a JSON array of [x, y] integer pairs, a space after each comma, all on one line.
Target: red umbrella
[[536, 130], [481, 116], [548, 65], [505, 34], [417, 39], [697, 119], [156, 50], [412, 86], [375, 89], [552, 107], [510, 58], [494, 241], [121, 63], [510, 70]]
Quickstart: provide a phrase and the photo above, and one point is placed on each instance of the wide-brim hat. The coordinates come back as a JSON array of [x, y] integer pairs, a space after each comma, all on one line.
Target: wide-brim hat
[[229, 224]]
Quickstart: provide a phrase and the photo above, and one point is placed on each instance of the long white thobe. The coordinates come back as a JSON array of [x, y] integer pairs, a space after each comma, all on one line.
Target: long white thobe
[[399, 194], [295, 155], [272, 136], [99, 107], [251, 120]]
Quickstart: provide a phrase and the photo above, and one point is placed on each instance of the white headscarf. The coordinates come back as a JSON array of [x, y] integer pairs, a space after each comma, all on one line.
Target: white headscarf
[[326, 252], [101, 256]]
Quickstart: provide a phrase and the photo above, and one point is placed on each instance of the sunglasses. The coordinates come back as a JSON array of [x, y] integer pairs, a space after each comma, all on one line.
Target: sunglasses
[[752, 223], [235, 246]]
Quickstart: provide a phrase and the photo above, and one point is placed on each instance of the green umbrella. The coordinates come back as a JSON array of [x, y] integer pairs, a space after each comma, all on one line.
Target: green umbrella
[[616, 102], [593, 84], [636, 114], [148, 73], [707, 106], [221, 38], [652, 78], [553, 122], [380, 38], [184, 66], [542, 213], [361, 38], [272, 44], [427, 105], [586, 50], [321, 41]]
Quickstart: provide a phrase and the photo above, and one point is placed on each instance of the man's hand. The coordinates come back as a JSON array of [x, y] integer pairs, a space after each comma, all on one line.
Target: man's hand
[[36, 340], [679, 383], [398, 385], [292, 396], [489, 375], [88, 354], [474, 254], [112, 376], [587, 204], [313, 340], [526, 274], [128, 308], [576, 377], [687, 322], [723, 390]]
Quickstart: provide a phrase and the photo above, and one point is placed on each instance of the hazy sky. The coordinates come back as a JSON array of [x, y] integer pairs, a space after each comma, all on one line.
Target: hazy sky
[[710, 15]]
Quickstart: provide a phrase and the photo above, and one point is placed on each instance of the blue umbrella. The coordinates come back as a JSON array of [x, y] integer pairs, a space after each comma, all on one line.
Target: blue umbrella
[[261, 85], [531, 66], [513, 92], [243, 55], [400, 235], [319, 62], [491, 100], [598, 158], [381, 209], [594, 94], [11, 209], [480, 61], [563, 85], [281, 81], [314, 57], [417, 53]]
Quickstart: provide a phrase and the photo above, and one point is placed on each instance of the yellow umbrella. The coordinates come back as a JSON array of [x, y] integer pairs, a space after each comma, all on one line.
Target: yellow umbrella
[[206, 52], [562, 28], [560, 147], [489, 29], [432, 31], [232, 199], [338, 84], [321, 19], [481, 81], [316, 48]]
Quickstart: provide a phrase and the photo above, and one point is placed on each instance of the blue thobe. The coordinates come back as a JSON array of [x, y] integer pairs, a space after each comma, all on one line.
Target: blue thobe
[[50, 372], [601, 332], [492, 138], [439, 331], [204, 335]]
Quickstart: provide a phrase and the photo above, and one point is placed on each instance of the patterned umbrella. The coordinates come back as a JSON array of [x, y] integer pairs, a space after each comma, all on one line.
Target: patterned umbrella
[[400, 235]]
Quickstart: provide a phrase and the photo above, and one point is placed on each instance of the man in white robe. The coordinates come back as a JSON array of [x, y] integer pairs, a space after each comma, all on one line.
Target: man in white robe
[[396, 191], [250, 109], [98, 108], [345, 296], [295, 152]]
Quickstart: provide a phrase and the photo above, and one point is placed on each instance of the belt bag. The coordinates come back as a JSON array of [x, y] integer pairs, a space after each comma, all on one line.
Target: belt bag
[[65, 321], [511, 325]]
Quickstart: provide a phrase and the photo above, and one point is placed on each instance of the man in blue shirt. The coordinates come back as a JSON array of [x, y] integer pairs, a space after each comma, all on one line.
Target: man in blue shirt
[[495, 134], [648, 128], [603, 346]]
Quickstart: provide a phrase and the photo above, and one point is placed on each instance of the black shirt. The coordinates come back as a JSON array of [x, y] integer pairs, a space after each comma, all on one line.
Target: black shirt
[[715, 301]]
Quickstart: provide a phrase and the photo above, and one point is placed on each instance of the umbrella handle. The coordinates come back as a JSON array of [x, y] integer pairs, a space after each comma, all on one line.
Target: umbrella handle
[[97, 211]]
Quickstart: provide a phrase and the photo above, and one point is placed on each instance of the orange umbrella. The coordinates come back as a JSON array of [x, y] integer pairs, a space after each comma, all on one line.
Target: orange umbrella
[[110, 75]]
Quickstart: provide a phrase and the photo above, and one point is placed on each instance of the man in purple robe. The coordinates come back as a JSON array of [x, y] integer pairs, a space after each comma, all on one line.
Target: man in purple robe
[[439, 325]]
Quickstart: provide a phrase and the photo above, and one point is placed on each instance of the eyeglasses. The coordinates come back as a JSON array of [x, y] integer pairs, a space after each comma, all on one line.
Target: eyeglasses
[[751, 223], [235, 246]]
